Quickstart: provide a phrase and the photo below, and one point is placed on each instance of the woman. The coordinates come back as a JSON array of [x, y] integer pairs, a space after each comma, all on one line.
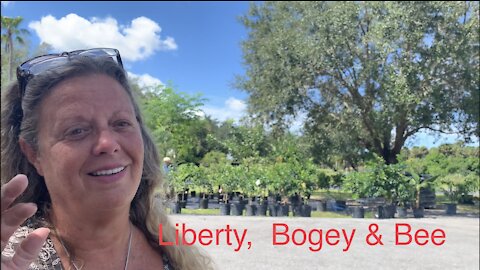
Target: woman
[[71, 125]]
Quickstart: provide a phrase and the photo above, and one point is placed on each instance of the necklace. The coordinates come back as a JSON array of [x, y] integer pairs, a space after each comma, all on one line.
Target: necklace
[[80, 268]]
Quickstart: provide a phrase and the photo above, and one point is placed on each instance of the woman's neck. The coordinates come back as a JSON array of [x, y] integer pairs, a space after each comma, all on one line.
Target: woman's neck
[[89, 238], [86, 229]]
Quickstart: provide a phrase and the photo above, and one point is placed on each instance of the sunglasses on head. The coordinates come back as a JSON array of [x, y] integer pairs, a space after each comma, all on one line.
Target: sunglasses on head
[[39, 64]]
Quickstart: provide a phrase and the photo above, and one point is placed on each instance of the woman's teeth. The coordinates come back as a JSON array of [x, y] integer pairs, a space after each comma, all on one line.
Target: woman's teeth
[[108, 172]]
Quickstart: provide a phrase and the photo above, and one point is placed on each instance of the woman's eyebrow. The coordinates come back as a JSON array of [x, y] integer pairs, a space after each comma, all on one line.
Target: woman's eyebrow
[[66, 120]]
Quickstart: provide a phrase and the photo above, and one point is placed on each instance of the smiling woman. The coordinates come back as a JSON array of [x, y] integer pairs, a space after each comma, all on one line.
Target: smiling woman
[[74, 146]]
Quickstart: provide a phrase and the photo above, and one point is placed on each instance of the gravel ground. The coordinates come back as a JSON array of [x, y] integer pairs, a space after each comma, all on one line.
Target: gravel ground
[[459, 251]]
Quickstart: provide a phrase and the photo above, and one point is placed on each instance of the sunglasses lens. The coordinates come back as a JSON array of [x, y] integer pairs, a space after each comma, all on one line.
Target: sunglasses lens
[[110, 53], [39, 64]]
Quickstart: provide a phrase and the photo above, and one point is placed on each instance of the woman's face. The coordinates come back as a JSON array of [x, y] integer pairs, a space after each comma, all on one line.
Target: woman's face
[[90, 144]]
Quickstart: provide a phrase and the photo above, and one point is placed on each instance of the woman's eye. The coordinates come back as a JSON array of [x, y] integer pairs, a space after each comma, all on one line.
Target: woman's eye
[[122, 123], [76, 133]]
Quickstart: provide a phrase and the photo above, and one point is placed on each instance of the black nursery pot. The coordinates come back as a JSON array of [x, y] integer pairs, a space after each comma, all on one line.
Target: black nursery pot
[[236, 209], [322, 206], [418, 212], [306, 210], [203, 203], [451, 209], [251, 210], [402, 212], [225, 209], [176, 208], [358, 212], [274, 210], [262, 210], [283, 210]]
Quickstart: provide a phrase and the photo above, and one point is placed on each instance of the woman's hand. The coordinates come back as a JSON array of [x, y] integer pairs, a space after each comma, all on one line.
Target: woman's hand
[[12, 218]]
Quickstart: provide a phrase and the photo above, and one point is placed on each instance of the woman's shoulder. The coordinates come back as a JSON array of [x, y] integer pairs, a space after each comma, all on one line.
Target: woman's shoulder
[[47, 258]]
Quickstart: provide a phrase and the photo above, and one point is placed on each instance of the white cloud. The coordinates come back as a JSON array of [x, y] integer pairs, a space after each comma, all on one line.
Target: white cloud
[[146, 80], [235, 104], [136, 41], [6, 3], [236, 109], [233, 109]]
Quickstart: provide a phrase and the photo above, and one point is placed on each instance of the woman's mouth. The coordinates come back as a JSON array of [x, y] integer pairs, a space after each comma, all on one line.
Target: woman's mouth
[[108, 172]]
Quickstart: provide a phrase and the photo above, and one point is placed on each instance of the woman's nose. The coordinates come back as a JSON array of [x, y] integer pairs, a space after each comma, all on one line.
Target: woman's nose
[[106, 143]]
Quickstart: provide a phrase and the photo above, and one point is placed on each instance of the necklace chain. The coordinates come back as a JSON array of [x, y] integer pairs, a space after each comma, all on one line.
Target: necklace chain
[[77, 268]]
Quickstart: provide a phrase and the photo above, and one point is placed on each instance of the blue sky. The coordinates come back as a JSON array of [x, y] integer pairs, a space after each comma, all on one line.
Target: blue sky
[[195, 46]]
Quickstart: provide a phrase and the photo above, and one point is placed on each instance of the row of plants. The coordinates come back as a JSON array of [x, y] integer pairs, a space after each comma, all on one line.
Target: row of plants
[[401, 184], [255, 179]]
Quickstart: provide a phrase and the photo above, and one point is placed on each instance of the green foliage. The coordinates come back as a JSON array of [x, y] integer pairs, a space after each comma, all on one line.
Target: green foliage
[[292, 176], [283, 178], [327, 178], [175, 123], [257, 180], [453, 186], [225, 176], [214, 157], [456, 168], [183, 176], [368, 75], [381, 180], [241, 141]]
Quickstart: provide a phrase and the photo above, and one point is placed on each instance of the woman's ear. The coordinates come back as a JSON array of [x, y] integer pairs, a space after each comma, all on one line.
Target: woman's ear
[[31, 155]]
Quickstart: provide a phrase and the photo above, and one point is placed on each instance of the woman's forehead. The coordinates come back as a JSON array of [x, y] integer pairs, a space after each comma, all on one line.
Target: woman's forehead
[[89, 87], [98, 92]]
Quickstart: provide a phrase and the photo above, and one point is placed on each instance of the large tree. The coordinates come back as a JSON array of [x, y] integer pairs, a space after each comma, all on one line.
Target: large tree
[[175, 120], [12, 33], [367, 75]]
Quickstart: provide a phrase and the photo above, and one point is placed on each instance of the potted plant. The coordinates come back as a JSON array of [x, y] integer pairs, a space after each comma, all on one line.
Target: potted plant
[[307, 174], [405, 196], [180, 179], [224, 176], [453, 186], [253, 184], [325, 179], [203, 184], [381, 180], [421, 181], [280, 180]]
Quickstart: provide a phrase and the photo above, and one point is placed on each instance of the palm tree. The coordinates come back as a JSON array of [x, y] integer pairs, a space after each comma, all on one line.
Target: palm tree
[[10, 31]]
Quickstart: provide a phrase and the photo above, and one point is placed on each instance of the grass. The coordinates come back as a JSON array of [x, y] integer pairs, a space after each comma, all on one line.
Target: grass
[[205, 212], [216, 212], [330, 194], [318, 214], [468, 208]]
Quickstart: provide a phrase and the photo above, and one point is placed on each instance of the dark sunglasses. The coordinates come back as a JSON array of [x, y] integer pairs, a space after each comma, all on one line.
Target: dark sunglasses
[[39, 64]]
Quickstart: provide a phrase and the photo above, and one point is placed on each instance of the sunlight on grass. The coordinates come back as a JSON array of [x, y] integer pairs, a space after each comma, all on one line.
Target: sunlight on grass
[[468, 208], [216, 212], [330, 194], [318, 214], [206, 212]]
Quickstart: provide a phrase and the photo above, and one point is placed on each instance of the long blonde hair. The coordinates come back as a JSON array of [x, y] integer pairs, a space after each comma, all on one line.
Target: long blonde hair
[[19, 119]]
